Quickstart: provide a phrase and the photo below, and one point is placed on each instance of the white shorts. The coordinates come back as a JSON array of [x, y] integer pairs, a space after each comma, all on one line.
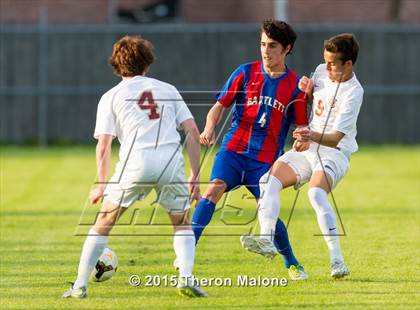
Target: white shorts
[[305, 163], [161, 169]]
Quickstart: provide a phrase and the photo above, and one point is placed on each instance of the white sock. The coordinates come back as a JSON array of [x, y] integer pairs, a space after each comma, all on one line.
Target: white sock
[[326, 221], [92, 249], [184, 246], [269, 205]]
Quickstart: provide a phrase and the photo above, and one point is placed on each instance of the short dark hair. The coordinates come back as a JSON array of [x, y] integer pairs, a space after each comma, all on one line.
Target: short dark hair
[[279, 31], [131, 55], [344, 44]]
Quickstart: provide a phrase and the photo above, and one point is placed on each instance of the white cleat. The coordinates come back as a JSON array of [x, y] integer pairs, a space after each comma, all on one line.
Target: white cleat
[[339, 270], [262, 246], [75, 292]]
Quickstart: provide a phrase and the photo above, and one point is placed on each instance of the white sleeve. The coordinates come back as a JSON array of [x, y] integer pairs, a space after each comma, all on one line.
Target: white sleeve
[[181, 109], [320, 72], [347, 115], [105, 118]]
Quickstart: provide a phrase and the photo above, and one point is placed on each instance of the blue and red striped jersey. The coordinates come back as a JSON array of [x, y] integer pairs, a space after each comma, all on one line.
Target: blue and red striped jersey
[[263, 110]]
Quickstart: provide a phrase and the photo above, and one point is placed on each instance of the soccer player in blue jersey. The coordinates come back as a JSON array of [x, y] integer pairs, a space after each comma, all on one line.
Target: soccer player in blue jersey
[[266, 99]]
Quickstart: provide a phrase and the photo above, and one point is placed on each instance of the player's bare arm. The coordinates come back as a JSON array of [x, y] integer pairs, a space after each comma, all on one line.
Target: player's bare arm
[[103, 159], [300, 145], [330, 139], [214, 117], [306, 85], [193, 147]]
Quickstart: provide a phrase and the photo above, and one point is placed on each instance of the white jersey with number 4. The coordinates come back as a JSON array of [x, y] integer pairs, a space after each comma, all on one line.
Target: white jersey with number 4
[[344, 109], [142, 113]]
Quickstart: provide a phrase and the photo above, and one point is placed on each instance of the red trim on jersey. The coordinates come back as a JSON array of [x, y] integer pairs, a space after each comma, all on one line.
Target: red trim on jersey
[[300, 109], [236, 86], [240, 140], [300, 102]]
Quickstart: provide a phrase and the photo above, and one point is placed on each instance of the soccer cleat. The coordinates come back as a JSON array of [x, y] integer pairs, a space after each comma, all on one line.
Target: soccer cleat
[[176, 264], [339, 270], [75, 292], [297, 273], [257, 245], [187, 287]]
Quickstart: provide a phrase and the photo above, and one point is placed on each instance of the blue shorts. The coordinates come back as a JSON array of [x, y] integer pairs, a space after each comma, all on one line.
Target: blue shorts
[[236, 170]]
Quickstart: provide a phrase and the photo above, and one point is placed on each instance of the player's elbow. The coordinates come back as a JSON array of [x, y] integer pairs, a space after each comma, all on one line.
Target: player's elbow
[[216, 113], [334, 144]]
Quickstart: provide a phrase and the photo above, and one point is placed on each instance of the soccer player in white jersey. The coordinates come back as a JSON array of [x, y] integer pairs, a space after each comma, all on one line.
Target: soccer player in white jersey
[[330, 140], [143, 113]]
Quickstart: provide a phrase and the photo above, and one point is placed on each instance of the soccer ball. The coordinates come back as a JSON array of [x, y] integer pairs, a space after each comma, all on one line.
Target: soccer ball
[[105, 267]]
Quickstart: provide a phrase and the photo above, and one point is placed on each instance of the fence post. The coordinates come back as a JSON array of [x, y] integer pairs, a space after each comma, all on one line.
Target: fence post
[[43, 77]]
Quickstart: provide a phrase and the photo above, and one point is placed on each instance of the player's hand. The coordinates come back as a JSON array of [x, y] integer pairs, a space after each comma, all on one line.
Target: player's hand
[[300, 146], [96, 194], [306, 85], [302, 134], [194, 187], [207, 137]]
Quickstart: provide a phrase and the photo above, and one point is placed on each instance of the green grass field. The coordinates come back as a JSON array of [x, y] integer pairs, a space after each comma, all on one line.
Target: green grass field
[[43, 198]]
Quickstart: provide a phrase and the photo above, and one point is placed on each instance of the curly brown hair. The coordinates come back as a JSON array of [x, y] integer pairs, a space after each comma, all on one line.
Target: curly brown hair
[[131, 55]]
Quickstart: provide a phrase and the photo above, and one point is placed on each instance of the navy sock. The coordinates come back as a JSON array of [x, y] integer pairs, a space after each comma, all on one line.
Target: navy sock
[[281, 241], [202, 216]]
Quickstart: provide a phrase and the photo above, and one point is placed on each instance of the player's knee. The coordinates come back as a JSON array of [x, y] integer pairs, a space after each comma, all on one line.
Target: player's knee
[[106, 219], [263, 186], [263, 182], [215, 190], [180, 220], [103, 227], [270, 183]]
